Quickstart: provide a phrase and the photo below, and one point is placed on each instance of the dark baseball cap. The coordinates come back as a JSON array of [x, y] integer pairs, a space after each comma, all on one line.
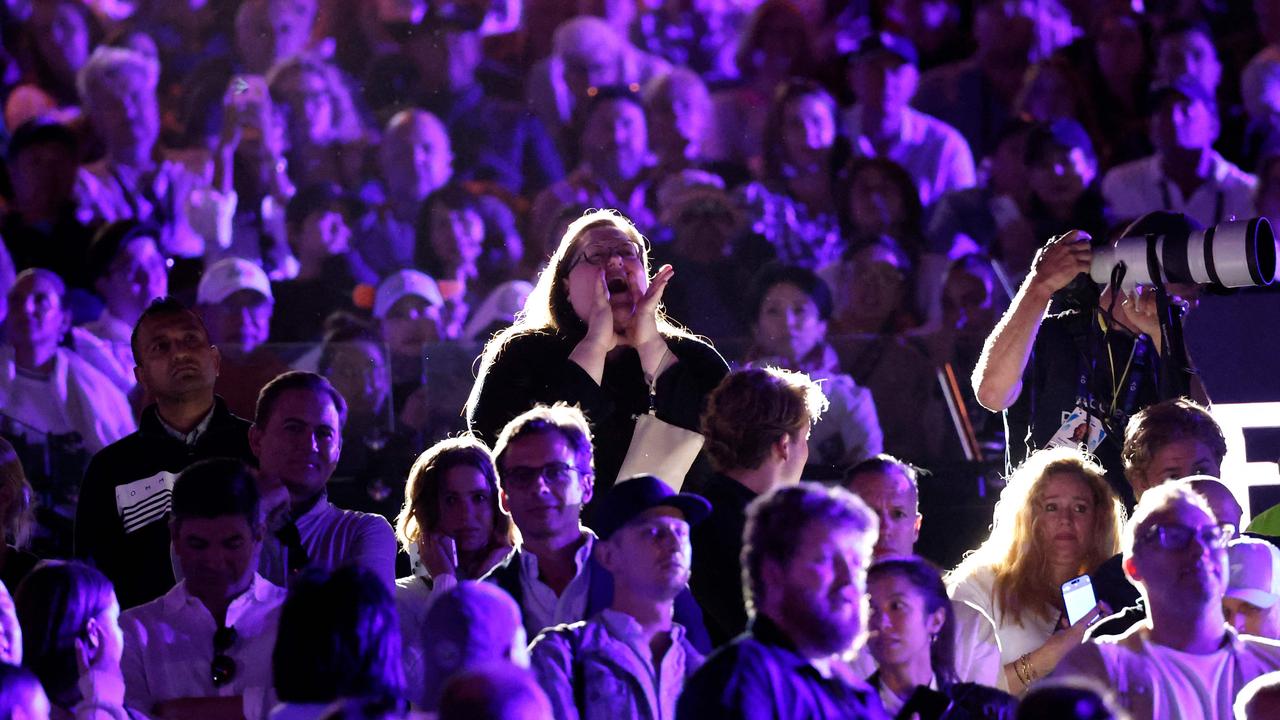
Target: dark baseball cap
[[884, 43], [628, 499], [1064, 133]]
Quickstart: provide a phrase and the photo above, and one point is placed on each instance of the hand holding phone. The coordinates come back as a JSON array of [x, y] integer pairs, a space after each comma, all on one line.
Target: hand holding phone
[[1078, 596]]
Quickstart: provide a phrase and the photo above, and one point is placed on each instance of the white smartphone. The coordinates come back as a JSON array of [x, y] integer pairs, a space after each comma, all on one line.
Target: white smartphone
[[1078, 596]]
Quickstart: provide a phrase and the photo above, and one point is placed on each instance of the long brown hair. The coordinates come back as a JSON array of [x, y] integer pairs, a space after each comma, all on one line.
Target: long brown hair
[[1023, 584]]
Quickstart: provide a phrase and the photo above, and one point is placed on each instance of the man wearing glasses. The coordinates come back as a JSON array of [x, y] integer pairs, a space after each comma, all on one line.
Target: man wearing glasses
[[204, 648], [545, 477], [1184, 660]]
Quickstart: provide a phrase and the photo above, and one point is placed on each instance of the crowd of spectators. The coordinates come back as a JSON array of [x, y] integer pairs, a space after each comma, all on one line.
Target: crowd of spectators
[[305, 296]]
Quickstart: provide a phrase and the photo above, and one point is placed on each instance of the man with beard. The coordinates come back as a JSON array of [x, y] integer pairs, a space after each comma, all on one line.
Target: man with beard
[[220, 603], [805, 551], [1184, 659], [630, 660], [124, 499]]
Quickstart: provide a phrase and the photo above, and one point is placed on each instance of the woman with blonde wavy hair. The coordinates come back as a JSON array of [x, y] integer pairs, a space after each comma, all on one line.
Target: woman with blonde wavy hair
[[1057, 519], [593, 333]]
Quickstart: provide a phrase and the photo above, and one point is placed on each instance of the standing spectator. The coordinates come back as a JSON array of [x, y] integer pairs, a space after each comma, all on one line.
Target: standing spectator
[[177, 366], [793, 206], [235, 301], [595, 297], [1185, 174], [221, 602], [806, 549], [1185, 659], [1056, 519], [297, 438], [635, 644], [883, 76], [756, 425]]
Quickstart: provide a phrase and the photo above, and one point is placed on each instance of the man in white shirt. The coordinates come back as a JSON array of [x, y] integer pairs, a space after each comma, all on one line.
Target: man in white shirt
[[631, 659], [1185, 175], [545, 477], [297, 438], [883, 76], [206, 645], [1184, 660]]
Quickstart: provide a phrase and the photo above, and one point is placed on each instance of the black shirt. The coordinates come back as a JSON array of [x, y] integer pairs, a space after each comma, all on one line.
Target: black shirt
[[717, 548]]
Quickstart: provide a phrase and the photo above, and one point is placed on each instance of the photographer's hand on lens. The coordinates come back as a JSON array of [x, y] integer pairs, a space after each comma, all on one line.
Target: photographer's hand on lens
[[1135, 312], [1061, 260]]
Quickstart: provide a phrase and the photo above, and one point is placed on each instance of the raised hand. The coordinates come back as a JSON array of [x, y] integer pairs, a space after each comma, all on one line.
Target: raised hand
[[644, 325], [439, 554], [1136, 311], [1061, 260]]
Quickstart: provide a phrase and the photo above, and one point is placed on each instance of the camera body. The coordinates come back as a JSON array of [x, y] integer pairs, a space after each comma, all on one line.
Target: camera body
[[1232, 254]]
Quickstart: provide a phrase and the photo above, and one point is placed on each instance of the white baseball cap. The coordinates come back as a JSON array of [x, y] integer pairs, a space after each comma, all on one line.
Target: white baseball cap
[[1255, 571], [404, 283], [230, 275]]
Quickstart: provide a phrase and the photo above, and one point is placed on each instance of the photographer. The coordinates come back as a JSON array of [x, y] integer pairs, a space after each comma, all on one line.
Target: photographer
[[1064, 356]]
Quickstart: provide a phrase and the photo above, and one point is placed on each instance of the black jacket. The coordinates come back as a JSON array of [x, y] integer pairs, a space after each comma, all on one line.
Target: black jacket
[[138, 562], [535, 368]]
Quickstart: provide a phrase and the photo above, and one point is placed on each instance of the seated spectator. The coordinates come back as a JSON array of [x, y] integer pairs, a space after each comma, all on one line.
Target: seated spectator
[[644, 544], [235, 301], [407, 306], [450, 248], [1054, 90], [297, 438], [137, 179], [876, 294], [39, 224], [805, 551], [1056, 519], [177, 366], [128, 272], [679, 114], [911, 634], [699, 36], [1184, 658], [337, 638], [889, 488], [494, 140], [323, 130], [268, 32], [17, 521], [498, 691], [793, 205], [1252, 601], [470, 625], [877, 198], [452, 526], [774, 45], [72, 639], [791, 307], [59, 35], [46, 388], [614, 171], [1185, 174], [883, 75], [1061, 169], [1186, 48], [415, 159], [319, 219], [221, 602], [1162, 442], [756, 425], [21, 696]]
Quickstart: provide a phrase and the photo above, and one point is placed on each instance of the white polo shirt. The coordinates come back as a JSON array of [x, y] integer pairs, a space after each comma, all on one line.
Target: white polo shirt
[[933, 153], [1139, 187]]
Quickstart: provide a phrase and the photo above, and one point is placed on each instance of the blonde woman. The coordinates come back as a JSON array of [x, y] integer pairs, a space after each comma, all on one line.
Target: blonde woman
[[1057, 519]]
